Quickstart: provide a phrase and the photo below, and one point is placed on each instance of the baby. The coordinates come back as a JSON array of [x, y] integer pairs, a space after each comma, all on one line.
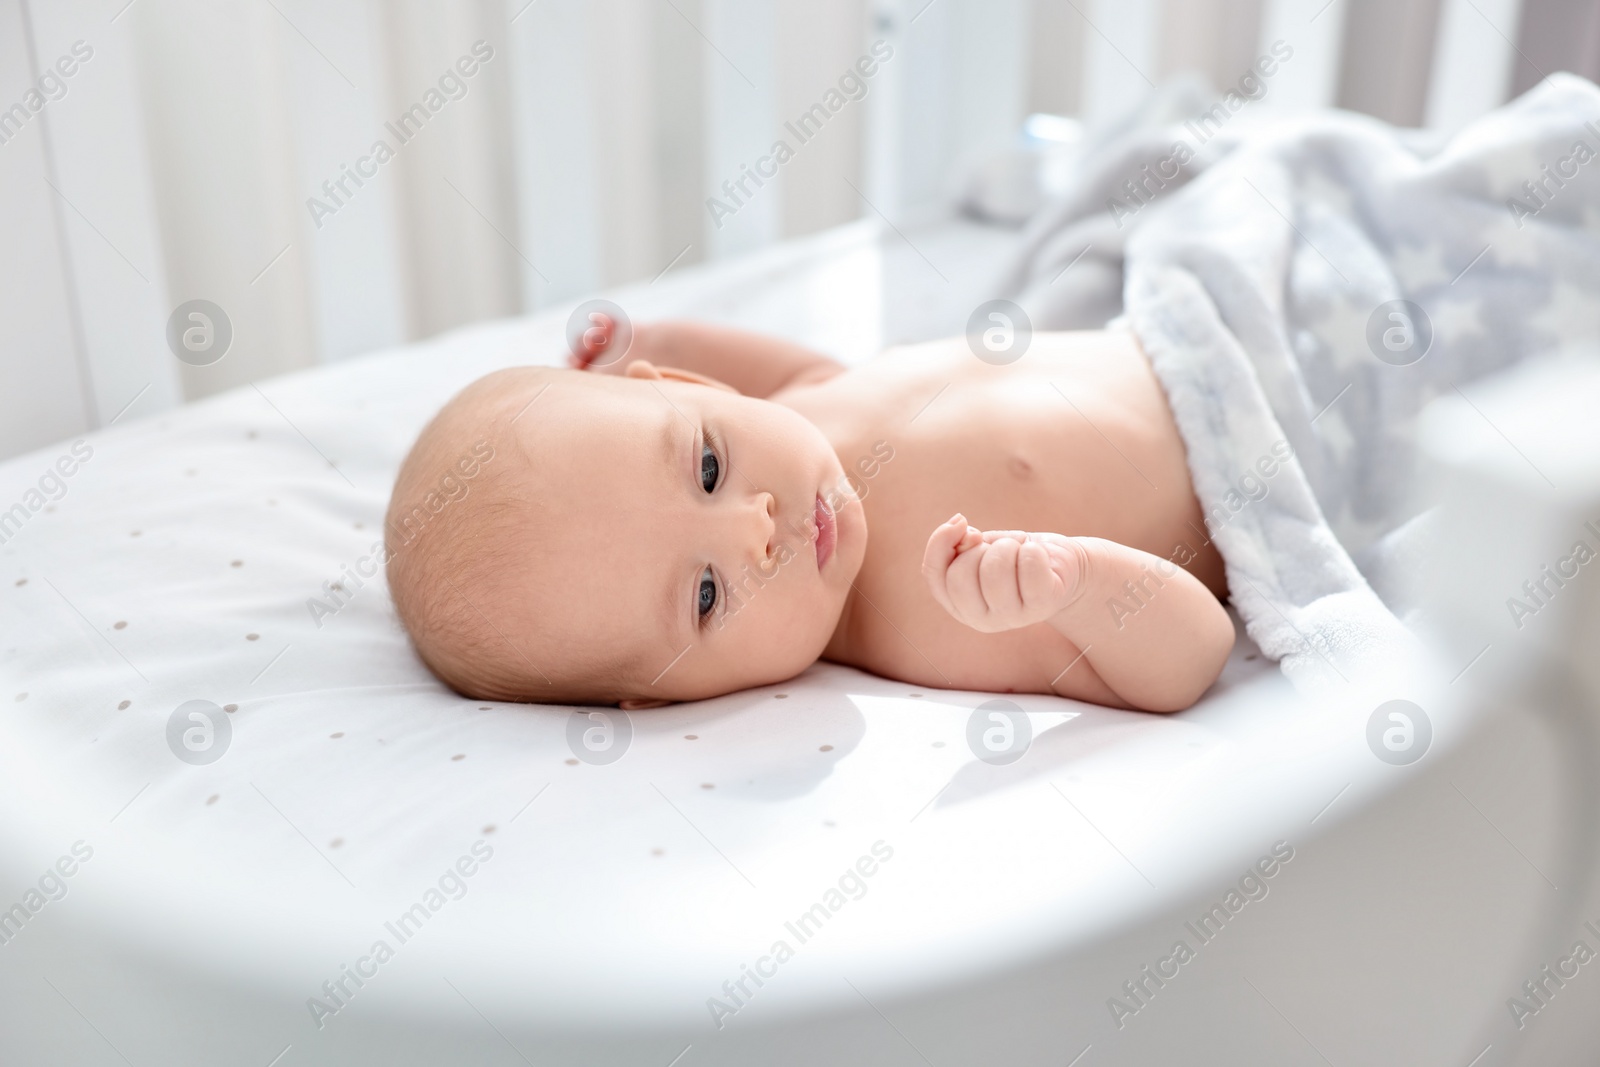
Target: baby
[[714, 509]]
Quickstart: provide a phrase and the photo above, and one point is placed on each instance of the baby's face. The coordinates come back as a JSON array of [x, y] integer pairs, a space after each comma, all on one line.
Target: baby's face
[[709, 537]]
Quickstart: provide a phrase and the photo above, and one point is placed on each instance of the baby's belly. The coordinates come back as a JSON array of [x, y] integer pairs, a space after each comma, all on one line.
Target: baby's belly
[[1076, 441]]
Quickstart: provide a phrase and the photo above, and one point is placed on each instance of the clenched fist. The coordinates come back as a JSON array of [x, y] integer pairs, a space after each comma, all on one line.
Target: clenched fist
[[1000, 580]]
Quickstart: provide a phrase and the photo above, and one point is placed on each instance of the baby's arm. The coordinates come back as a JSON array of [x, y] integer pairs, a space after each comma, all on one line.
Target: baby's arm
[[1152, 632], [752, 363]]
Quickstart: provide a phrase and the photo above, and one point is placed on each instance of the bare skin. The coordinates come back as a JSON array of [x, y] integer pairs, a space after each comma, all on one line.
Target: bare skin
[[1032, 529]]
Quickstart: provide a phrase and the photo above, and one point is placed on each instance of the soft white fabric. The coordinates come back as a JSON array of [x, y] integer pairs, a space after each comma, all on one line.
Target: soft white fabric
[[1254, 280]]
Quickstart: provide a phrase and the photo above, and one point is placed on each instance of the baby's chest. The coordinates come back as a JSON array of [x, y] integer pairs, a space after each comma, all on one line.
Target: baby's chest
[[1093, 461], [1028, 454]]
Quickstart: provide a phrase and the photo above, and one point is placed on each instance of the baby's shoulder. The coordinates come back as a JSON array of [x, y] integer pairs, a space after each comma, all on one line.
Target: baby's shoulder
[[892, 376]]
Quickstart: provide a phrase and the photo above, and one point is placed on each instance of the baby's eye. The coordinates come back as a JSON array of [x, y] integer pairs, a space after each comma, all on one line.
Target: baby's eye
[[708, 593], [710, 468]]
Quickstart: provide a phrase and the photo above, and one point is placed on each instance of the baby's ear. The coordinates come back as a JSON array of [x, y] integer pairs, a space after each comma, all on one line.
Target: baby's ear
[[641, 705], [643, 368]]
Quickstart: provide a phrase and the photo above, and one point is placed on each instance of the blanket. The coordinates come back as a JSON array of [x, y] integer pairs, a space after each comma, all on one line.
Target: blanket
[[1303, 289]]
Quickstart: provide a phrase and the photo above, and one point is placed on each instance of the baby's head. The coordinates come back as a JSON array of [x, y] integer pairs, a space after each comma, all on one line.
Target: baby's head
[[619, 539]]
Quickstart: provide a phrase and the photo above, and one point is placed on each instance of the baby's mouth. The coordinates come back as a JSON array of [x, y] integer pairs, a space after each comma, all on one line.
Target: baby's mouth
[[827, 532]]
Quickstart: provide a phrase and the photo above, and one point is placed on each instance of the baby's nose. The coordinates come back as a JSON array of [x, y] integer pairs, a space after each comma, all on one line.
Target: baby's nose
[[763, 525]]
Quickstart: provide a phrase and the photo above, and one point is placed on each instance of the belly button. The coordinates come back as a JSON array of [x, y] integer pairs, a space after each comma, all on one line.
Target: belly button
[[1021, 469]]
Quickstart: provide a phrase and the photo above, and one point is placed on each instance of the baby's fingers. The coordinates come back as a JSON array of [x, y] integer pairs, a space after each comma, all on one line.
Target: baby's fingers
[[1040, 586], [592, 341], [1070, 562], [943, 545], [964, 586], [997, 575]]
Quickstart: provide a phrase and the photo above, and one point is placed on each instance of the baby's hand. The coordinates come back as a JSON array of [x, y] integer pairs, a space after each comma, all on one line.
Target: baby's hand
[[593, 349], [1002, 579]]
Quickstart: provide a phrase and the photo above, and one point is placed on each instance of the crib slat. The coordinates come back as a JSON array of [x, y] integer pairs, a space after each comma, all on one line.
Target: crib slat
[[741, 104], [553, 129], [347, 265], [1058, 34], [45, 397], [1472, 60], [1314, 29], [817, 41], [954, 91], [1119, 56], [81, 327], [1217, 38]]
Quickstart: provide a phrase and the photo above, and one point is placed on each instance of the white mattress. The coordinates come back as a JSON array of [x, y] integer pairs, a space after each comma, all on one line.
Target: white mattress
[[618, 898]]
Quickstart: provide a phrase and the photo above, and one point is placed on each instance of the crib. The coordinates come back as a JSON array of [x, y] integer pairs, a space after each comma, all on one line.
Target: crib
[[353, 865]]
